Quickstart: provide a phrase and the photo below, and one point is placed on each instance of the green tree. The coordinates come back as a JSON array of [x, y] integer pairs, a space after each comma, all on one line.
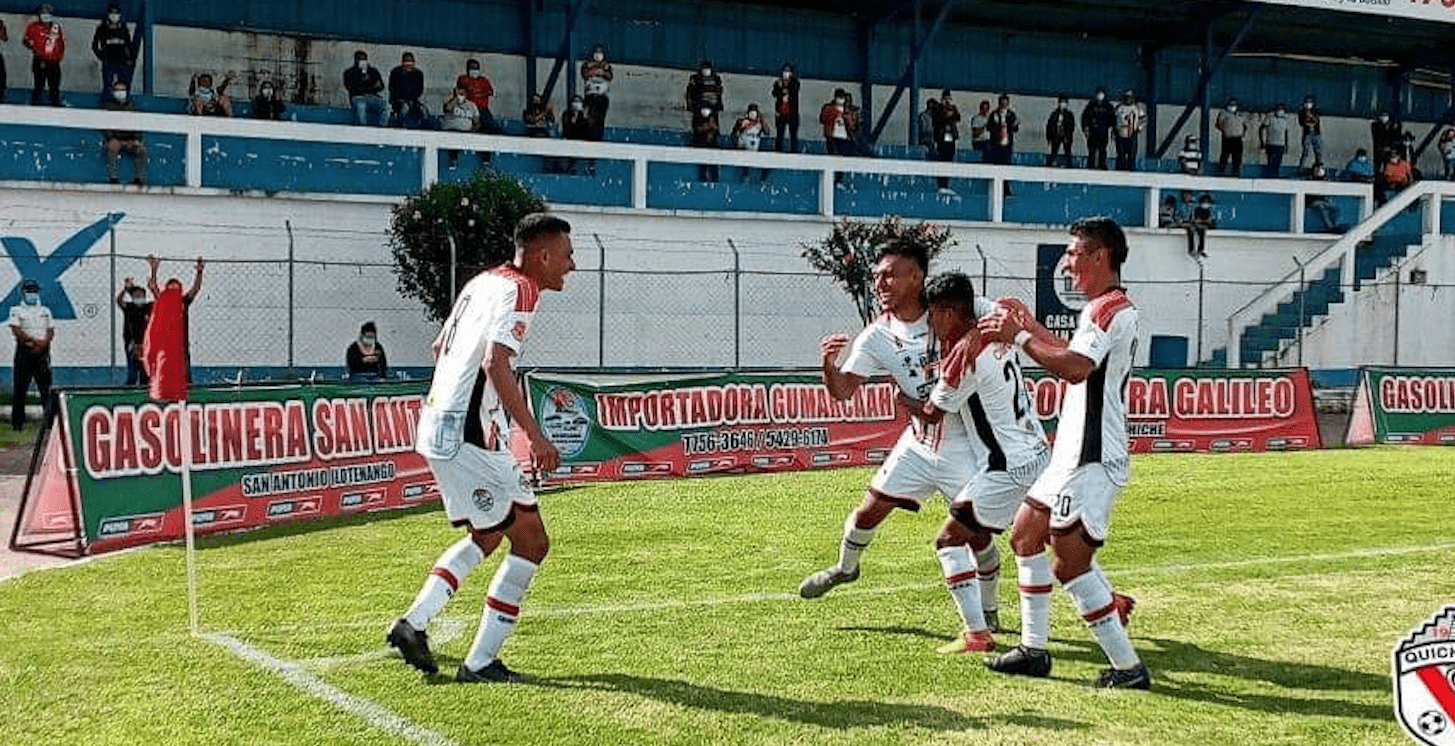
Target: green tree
[[478, 216], [852, 248]]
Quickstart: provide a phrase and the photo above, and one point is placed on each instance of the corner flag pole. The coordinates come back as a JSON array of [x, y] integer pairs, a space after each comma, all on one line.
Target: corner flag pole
[[185, 425]]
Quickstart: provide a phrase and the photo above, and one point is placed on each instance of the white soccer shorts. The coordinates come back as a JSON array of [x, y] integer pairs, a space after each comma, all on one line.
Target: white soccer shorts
[[1085, 493], [479, 487], [995, 496], [913, 471]]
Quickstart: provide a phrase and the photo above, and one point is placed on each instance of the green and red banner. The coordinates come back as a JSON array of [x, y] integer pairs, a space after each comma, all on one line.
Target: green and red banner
[[109, 475], [1194, 410], [1411, 406], [684, 425]]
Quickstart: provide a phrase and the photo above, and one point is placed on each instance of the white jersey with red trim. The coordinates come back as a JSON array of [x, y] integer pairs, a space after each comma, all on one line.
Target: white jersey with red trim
[[496, 307], [1093, 423], [982, 384]]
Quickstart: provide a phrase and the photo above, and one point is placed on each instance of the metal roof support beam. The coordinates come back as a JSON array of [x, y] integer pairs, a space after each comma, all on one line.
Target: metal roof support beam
[[916, 30], [1445, 120], [1150, 54], [910, 72], [528, 33], [148, 36], [866, 81], [1210, 68], [565, 52]]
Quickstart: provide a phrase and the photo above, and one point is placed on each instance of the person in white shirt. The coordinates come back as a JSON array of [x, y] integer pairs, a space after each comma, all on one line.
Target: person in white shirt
[[33, 327], [464, 432], [747, 134], [459, 114], [1069, 507]]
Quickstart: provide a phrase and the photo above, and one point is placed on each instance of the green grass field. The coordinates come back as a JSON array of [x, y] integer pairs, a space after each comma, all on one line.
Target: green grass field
[[1273, 588]]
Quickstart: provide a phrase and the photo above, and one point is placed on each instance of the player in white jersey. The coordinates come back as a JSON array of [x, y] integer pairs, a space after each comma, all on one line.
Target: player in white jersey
[[928, 457], [1069, 507], [981, 385], [464, 431]]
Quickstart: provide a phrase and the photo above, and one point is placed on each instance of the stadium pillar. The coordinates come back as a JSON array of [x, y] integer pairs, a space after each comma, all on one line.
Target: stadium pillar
[[1204, 97], [564, 52], [1150, 55], [148, 34], [866, 82], [916, 27], [528, 33], [1208, 68], [916, 52]]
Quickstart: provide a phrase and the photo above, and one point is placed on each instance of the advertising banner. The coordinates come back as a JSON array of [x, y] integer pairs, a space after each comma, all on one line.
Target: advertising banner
[[1413, 406], [1204, 410], [1439, 11], [709, 424], [110, 474]]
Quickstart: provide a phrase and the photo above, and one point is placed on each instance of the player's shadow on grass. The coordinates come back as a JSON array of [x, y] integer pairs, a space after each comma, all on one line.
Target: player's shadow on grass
[[905, 631], [840, 714]]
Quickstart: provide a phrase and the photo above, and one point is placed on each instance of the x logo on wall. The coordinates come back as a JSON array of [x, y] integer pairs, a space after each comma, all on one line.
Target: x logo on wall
[[49, 270]]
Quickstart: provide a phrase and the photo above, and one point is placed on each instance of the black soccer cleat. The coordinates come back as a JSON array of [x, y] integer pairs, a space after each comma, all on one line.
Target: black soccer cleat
[[413, 645], [495, 673], [1022, 661], [1131, 678]]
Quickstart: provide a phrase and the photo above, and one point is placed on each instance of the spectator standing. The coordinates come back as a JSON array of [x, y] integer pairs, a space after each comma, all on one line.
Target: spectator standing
[[1060, 132], [1447, 152], [205, 101], [853, 117], [46, 41], [785, 108], [1310, 123], [1386, 135], [1002, 125], [34, 329], [1359, 168], [980, 129], [459, 115], [406, 87], [704, 89], [135, 311], [268, 104], [1232, 125], [747, 135], [1275, 133], [577, 125], [836, 133], [596, 79], [364, 84], [479, 91], [1394, 175], [112, 44], [926, 126], [365, 357], [705, 131], [946, 125], [1130, 120], [1189, 161], [1098, 118], [117, 141]]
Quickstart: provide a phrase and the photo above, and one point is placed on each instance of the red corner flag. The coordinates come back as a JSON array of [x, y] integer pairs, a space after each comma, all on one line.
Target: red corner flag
[[164, 348]]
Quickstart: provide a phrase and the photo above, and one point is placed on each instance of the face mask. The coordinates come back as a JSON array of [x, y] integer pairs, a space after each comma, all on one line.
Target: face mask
[[838, 102], [1308, 104], [363, 64], [1061, 105], [1383, 119], [752, 115], [32, 299], [475, 72], [1204, 205], [368, 340], [577, 106], [267, 93], [119, 94], [787, 74], [114, 17], [598, 56], [706, 72], [1101, 97], [45, 18], [707, 112], [1233, 109]]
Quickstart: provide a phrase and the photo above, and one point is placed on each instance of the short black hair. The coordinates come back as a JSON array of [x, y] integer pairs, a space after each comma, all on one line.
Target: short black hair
[[368, 327], [952, 289], [538, 224], [906, 248], [1105, 233]]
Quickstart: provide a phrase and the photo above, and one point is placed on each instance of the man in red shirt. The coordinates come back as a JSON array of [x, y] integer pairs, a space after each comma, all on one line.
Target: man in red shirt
[[479, 90], [47, 41]]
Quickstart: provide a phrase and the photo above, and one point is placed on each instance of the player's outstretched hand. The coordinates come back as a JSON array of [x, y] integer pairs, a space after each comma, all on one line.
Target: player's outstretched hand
[[1000, 326], [545, 455], [830, 346], [1014, 305]]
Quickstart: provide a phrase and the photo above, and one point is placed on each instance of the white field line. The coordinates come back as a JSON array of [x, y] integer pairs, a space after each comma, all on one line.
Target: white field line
[[367, 710], [446, 629]]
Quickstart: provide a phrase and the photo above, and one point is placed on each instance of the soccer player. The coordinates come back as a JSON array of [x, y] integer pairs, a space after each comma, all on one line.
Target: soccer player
[[464, 431], [981, 384], [1069, 507], [928, 456]]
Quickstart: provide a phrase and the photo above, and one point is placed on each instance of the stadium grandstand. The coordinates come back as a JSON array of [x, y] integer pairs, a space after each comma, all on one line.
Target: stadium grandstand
[[292, 214]]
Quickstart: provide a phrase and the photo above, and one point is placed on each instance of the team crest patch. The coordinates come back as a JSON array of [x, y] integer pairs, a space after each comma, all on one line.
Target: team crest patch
[[483, 500], [1424, 680], [518, 331], [566, 419]]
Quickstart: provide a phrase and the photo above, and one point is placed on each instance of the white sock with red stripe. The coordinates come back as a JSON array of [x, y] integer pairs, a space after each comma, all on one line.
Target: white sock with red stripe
[[449, 572], [1092, 594], [960, 576], [987, 563], [502, 608], [1035, 582], [856, 540]]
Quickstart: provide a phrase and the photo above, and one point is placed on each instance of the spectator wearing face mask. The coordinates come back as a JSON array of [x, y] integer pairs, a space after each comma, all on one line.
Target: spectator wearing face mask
[[1202, 221], [1311, 125], [46, 41], [365, 357], [980, 129], [747, 134], [1060, 132], [785, 108], [459, 115], [205, 101], [135, 311], [577, 125], [33, 328], [705, 131], [945, 123], [1232, 125], [704, 89], [1098, 118], [1190, 159], [112, 45], [596, 84], [1394, 175], [119, 141], [268, 104], [1131, 119], [838, 138], [1359, 168], [364, 84], [479, 91], [406, 86], [1275, 133], [1003, 125], [1447, 153], [1385, 134]]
